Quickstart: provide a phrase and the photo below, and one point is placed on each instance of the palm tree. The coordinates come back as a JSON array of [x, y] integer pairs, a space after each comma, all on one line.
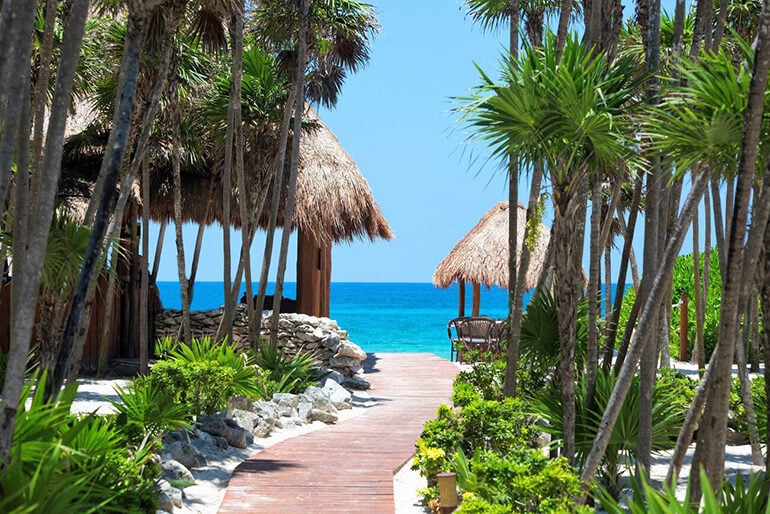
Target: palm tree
[[700, 128], [570, 111], [30, 259], [740, 264], [339, 34]]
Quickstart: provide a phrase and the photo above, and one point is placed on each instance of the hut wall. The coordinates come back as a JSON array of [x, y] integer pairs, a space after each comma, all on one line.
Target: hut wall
[[117, 347], [313, 276]]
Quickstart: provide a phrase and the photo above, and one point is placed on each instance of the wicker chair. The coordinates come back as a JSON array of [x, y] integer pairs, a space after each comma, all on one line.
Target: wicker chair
[[478, 333]]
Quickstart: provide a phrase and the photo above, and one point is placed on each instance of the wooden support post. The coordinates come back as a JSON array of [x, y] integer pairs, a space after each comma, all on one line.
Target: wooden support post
[[476, 300], [447, 490], [683, 328], [461, 310]]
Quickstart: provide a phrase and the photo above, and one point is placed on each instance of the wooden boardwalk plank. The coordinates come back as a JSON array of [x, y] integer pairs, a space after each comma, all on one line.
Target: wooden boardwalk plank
[[348, 468]]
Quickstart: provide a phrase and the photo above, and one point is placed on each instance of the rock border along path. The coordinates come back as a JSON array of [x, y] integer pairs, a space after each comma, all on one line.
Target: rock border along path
[[349, 467]]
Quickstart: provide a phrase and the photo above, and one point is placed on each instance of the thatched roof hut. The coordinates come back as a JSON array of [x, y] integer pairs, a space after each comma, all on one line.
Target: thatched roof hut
[[481, 257], [333, 197]]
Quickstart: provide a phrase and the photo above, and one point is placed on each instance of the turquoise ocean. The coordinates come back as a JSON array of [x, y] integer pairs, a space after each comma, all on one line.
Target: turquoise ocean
[[379, 316]]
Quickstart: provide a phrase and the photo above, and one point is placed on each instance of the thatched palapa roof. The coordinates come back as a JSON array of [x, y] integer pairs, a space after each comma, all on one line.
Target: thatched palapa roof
[[333, 197], [481, 257]]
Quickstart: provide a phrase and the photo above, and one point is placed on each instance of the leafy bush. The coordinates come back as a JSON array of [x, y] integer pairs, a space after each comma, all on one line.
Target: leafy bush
[[63, 463], [501, 426], [204, 375], [759, 399], [145, 411], [678, 388], [284, 374], [525, 480], [485, 379], [437, 442]]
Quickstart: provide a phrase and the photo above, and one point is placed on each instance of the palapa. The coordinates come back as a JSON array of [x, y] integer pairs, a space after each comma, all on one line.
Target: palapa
[[333, 197], [481, 257]]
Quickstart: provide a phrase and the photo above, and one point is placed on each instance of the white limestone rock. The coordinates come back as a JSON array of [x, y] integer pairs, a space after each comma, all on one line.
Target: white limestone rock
[[338, 395]]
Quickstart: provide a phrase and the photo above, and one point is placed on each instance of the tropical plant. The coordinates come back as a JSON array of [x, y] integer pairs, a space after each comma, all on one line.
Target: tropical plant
[[622, 448], [203, 375], [525, 480], [63, 463], [748, 495], [284, 373], [145, 411]]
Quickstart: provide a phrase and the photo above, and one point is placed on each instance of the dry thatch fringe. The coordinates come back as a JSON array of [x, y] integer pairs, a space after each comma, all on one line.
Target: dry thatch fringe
[[481, 257], [333, 197]]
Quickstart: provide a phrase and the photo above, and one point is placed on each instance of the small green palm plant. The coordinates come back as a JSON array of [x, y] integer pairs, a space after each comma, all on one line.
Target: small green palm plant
[[65, 463], [749, 495], [621, 451], [205, 374], [283, 373]]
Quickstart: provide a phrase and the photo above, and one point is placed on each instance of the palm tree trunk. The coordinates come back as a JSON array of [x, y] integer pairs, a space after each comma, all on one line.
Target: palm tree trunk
[[698, 350], [158, 250], [29, 263], [41, 86], [711, 437], [568, 243], [227, 191], [14, 86], [185, 329], [594, 279], [764, 292], [514, 333], [275, 204], [512, 354], [622, 273], [561, 30], [719, 226], [144, 328], [754, 320], [195, 261], [650, 310], [288, 214], [246, 222]]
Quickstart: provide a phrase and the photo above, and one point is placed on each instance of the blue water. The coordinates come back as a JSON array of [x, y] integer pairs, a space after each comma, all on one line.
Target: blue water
[[380, 317]]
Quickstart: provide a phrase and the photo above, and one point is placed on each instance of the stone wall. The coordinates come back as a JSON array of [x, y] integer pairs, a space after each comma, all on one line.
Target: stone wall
[[320, 337]]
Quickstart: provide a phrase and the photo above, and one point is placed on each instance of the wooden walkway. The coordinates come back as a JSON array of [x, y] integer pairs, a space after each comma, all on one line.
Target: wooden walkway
[[348, 468]]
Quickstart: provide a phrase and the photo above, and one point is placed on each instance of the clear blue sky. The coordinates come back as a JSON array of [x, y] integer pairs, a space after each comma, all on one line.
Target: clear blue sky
[[394, 119]]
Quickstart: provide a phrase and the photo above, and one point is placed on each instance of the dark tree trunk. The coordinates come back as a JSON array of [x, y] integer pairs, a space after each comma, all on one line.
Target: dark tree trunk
[[713, 430]]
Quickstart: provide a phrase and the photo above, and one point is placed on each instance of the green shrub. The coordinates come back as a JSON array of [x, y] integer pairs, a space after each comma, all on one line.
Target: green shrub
[[63, 463], [284, 374], [476, 505], [204, 375], [145, 411], [437, 442], [678, 388], [758, 397], [525, 480], [500, 426], [485, 379]]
